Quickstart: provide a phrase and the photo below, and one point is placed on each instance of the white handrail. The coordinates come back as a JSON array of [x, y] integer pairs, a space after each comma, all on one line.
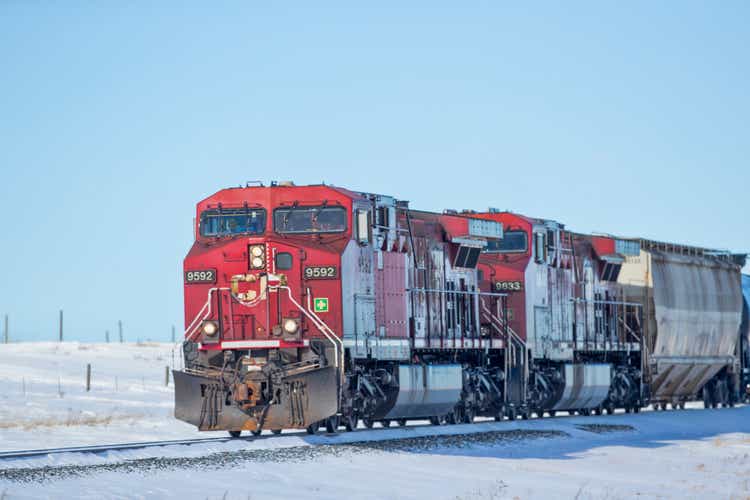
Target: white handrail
[[332, 338], [501, 322], [324, 325], [190, 329], [338, 344]]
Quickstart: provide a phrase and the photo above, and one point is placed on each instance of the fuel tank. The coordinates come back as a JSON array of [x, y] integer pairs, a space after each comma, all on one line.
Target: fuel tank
[[586, 386], [426, 390]]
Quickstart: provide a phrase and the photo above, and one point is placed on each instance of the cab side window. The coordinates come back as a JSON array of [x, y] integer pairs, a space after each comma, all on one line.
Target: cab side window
[[283, 261]]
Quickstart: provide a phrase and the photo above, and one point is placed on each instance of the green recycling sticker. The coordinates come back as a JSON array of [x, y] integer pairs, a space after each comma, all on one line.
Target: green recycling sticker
[[321, 305]]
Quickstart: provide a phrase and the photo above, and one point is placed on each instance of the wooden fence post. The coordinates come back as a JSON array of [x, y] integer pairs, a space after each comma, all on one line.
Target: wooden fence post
[[61, 325]]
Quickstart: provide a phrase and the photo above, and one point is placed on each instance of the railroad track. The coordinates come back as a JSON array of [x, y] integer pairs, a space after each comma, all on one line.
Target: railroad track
[[102, 448], [113, 447], [96, 449]]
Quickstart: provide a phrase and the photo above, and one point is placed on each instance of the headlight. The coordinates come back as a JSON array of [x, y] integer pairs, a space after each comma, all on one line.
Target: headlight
[[290, 325], [257, 256], [210, 328]]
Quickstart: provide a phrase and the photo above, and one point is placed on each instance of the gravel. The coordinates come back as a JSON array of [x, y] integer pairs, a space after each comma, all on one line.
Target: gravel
[[282, 455]]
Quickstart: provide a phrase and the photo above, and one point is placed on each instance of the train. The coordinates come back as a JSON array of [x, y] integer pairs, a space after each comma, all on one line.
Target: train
[[319, 306]]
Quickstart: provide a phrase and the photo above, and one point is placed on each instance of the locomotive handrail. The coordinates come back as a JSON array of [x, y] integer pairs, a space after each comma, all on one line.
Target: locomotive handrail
[[512, 332], [458, 292], [325, 330], [190, 329], [188, 333], [609, 302]]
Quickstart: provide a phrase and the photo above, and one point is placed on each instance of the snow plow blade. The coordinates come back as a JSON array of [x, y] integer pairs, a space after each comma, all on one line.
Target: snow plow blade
[[302, 400]]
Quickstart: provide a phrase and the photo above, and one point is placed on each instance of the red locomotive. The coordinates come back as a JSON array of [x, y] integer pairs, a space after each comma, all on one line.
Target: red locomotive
[[310, 305]]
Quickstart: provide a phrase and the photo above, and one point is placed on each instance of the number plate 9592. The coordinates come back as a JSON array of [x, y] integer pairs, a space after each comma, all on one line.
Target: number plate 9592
[[202, 276], [320, 272]]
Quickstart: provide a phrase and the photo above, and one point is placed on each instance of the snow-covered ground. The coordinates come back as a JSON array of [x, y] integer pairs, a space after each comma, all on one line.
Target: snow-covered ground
[[44, 403], [681, 454]]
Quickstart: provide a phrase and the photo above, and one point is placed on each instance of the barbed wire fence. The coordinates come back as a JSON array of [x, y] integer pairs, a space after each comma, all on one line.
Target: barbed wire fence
[[64, 335]]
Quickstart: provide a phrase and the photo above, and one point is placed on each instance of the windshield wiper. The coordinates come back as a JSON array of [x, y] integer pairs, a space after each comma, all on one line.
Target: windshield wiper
[[289, 211]]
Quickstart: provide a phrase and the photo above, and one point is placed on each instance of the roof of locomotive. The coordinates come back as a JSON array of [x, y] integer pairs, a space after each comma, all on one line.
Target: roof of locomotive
[[234, 193]]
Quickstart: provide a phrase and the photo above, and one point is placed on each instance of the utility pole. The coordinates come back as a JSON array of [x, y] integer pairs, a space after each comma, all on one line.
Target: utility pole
[[119, 328], [172, 330], [61, 325], [106, 336], [6, 333]]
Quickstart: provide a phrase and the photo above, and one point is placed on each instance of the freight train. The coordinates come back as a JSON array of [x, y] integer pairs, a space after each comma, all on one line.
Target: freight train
[[310, 306]]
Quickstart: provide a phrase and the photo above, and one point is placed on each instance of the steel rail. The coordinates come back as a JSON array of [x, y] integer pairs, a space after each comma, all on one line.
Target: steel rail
[[100, 448], [96, 449]]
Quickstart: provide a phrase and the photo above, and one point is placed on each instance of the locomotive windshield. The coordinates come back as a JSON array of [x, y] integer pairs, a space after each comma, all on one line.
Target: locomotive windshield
[[231, 221], [511, 242], [302, 220]]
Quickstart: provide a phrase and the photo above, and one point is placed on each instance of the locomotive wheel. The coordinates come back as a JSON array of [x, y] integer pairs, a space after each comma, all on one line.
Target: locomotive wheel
[[512, 413], [707, 397], [571, 412], [664, 407], [469, 415], [332, 424], [610, 409], [453, 417], [313, 428], [385, 423], [257, 432], [350, 423], [276, 431], [551, 413], [682, 405], [525, 414], [540, 413], [368, 422], [435, 420], [235, 434], [584, 411], [401, 422], [637, 408], [598, 411], [500, 414]]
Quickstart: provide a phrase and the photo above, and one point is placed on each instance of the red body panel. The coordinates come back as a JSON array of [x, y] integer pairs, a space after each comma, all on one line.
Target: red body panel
[[391, 296], [229, 257], [603, 245], [509, 267]]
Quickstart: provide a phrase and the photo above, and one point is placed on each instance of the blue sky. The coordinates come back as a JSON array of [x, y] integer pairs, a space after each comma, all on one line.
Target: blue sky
[[628, 118]]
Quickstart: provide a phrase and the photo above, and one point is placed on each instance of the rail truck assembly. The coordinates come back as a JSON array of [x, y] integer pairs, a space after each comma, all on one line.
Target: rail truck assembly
[[309, 306]]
